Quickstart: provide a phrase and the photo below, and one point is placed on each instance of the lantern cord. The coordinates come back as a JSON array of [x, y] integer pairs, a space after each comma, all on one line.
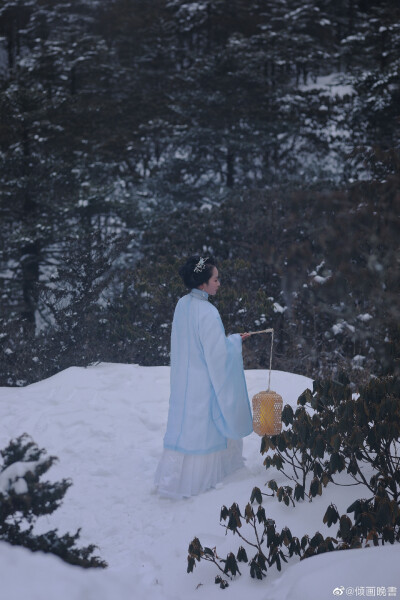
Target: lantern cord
[[270, 354], [270, 360]]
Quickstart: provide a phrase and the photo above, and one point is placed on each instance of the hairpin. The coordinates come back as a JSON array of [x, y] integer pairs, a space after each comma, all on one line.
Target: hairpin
[[201, 265]]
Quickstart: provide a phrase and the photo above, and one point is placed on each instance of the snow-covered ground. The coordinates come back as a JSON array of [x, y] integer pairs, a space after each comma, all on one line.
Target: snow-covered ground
[[106, 424]]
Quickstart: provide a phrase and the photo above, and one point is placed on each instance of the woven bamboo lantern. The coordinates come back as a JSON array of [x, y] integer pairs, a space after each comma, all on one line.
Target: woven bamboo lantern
[[267, 413], [267, 405]]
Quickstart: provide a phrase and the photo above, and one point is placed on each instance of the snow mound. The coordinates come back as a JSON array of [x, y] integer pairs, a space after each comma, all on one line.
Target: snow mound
[[106, 423]]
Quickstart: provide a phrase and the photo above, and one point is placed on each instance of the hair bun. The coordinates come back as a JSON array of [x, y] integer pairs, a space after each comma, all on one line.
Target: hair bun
[[196, 270]]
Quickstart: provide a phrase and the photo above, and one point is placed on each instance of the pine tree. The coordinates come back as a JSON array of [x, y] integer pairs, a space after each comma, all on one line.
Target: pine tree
[[24, 497]]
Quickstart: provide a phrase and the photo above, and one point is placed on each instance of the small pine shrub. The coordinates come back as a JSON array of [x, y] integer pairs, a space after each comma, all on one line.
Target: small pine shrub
[[24, 497]]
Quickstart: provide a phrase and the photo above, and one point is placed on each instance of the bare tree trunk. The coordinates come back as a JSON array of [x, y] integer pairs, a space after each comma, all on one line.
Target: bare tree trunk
[[230, 159], [30, 249]]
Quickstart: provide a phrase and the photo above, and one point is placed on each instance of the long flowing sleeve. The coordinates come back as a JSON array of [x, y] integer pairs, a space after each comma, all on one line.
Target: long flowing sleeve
[[230, 406]]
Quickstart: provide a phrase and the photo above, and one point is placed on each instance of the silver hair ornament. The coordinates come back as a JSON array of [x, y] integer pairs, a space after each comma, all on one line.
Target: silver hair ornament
[[201, 265]]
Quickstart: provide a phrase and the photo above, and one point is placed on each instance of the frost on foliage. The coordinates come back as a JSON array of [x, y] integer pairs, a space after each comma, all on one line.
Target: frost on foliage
[[341, 326], [317, 276], [358, 361], [278, 308], [12, 479], [319, 279], [365, 317]]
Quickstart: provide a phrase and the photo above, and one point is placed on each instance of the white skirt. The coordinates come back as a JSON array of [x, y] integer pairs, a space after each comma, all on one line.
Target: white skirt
[[181, 475]]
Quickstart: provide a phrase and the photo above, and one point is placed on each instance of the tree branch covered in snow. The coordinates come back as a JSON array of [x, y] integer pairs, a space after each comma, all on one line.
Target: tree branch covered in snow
[[24, 498]]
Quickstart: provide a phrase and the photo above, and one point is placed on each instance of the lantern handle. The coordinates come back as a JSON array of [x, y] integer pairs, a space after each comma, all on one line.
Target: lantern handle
[[262, 331], [270, 354]]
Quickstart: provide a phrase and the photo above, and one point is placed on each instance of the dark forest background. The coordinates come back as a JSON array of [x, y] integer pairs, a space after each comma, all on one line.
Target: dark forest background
[[134, 133]]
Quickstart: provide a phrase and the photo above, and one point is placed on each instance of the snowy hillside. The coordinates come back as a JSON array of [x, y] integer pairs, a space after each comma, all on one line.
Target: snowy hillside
[[106, 424]]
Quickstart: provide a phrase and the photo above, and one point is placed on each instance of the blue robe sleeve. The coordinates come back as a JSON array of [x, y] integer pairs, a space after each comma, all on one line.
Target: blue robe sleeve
[[230, 407]]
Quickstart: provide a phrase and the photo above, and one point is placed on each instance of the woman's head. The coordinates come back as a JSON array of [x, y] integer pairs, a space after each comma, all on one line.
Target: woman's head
[[200, 272]]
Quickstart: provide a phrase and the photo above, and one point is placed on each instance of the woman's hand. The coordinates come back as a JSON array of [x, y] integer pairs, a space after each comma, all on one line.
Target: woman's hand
[[244, 336]]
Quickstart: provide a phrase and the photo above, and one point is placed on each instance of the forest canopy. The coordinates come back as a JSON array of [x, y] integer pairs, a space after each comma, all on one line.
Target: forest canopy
[[136, 132]]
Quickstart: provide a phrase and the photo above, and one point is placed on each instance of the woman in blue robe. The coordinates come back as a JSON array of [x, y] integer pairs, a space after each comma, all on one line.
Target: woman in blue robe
[[209, 409]]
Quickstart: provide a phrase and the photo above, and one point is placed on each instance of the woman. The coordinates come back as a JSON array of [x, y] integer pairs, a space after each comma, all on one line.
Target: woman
[[209, 410]]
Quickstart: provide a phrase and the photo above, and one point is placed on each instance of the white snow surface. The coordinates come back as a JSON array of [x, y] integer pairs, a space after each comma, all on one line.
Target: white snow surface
[[331, 85], [106, 424]]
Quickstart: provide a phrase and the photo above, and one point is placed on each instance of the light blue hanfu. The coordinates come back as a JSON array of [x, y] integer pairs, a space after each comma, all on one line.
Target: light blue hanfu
[[209, 409]]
